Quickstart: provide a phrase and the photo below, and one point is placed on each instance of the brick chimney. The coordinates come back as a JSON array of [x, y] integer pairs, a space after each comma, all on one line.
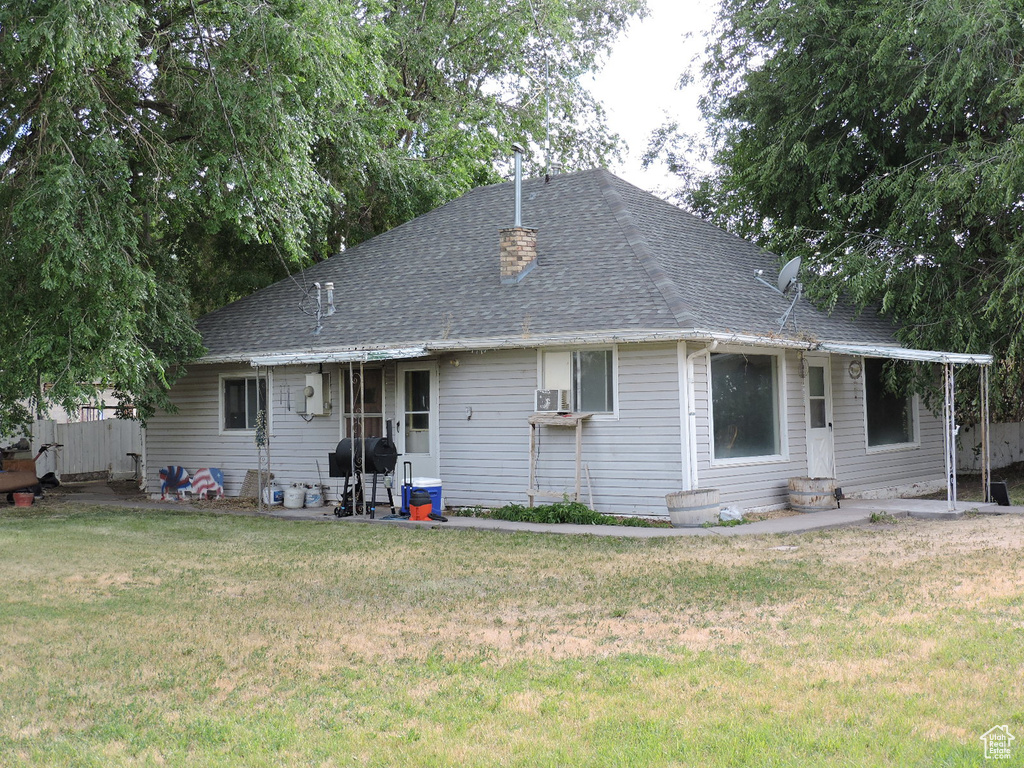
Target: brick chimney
[[517, 245], [518, 249]]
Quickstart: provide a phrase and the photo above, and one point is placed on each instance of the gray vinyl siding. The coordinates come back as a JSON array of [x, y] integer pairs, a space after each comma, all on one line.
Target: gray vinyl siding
[[859, 469], [484, 456], [754, 483], [634, 458], [192, 437]]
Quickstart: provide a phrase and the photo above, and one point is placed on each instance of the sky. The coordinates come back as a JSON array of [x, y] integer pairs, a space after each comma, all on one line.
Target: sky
[[638, 84]]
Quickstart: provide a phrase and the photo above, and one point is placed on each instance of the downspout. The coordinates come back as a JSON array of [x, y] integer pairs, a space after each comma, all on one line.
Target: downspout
[[691, 480]]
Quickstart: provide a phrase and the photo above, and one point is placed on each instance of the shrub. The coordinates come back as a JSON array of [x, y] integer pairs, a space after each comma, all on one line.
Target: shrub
[[566, 512]]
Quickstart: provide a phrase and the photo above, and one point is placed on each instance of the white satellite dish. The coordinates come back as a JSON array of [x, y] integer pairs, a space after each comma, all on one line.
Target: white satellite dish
[[788, 282], [788, 275]]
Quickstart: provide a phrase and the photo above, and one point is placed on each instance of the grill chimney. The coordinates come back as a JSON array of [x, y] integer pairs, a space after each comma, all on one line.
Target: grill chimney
[[517, 245]]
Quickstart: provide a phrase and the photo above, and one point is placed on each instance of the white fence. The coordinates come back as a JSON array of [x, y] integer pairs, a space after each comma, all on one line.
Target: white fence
[[1006, 446], [90, 448]]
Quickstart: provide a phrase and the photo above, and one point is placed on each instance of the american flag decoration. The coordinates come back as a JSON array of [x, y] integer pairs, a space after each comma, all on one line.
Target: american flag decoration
[[174, 480], [206, 481]]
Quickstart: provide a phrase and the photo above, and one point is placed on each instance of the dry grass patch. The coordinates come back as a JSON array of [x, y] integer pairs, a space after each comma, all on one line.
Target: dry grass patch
[[213, 640]]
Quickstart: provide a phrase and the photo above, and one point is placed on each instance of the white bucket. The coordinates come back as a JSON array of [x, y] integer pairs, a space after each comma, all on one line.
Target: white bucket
[[272, 494], [294, 496], [314, 497]]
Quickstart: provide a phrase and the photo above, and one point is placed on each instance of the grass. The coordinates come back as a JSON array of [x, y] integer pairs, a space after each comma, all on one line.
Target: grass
[[191, 639], [882, 518]]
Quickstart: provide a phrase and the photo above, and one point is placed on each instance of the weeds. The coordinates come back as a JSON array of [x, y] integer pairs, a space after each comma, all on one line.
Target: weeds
[[723, 523], [564, 512]]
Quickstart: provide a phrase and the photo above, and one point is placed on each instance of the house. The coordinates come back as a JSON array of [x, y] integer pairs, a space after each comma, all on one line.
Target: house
[[643, 316]]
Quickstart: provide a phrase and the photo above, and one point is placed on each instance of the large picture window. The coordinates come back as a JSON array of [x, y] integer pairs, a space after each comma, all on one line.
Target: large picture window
[[745, 405], [588, 374], [242, 398], [890, 415]]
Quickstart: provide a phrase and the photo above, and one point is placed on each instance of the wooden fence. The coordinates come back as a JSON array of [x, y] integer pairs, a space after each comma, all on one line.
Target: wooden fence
[[91, 449]]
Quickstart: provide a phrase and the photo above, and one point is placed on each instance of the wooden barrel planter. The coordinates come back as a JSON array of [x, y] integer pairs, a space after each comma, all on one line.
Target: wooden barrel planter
[[690, 509], [812, 494]]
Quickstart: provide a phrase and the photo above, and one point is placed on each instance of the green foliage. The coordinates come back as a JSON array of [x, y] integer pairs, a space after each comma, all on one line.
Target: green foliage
[[882, 517], [120, 130], [160, 159], [880, 140], [564, 512], [459, 82], [724, 524], [567, 512]]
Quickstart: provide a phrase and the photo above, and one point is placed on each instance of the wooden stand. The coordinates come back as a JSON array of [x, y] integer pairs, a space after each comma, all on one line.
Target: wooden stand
[[554, 420]]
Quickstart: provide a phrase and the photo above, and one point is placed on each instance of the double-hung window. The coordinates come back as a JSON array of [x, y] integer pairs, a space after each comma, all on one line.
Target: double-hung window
[[745, 405], [242, 398], [890, 415], [588, 375]]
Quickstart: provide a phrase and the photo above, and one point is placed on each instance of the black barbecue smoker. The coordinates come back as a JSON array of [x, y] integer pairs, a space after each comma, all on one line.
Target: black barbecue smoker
[[353, 459]]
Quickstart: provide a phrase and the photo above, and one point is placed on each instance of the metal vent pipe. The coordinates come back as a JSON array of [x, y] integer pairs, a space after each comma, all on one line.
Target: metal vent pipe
[[518, 219]]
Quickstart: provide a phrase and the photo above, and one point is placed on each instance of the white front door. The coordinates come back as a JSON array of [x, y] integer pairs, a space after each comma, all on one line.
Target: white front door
[[820, 447], [416, 425]]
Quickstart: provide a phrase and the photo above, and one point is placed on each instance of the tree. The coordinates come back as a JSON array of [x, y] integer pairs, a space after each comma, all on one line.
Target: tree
[[159, 158], [881, 140], [463, 80], [122, 125]]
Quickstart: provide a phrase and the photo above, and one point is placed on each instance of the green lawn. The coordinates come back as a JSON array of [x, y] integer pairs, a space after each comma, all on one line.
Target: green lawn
[[188, 639]]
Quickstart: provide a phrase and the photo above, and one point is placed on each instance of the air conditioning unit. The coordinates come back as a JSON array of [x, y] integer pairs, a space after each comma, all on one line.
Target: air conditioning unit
[[552, 401]]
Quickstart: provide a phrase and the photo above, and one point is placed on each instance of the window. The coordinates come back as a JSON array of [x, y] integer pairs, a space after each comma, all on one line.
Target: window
[[417, 411], [817, 403], [241, 399], [890, 416], [745, 405], [588, 374], [364, 411]]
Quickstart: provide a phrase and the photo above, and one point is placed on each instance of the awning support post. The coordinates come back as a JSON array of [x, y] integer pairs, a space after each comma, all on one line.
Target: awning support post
[[986, 456], [949, 422]]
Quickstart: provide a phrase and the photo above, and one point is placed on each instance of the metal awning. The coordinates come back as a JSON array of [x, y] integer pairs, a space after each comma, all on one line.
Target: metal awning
[[949, 361], [902, 353], [336, 356]]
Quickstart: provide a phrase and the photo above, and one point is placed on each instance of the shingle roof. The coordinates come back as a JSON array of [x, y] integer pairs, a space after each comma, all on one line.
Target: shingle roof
[[611, 257]]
